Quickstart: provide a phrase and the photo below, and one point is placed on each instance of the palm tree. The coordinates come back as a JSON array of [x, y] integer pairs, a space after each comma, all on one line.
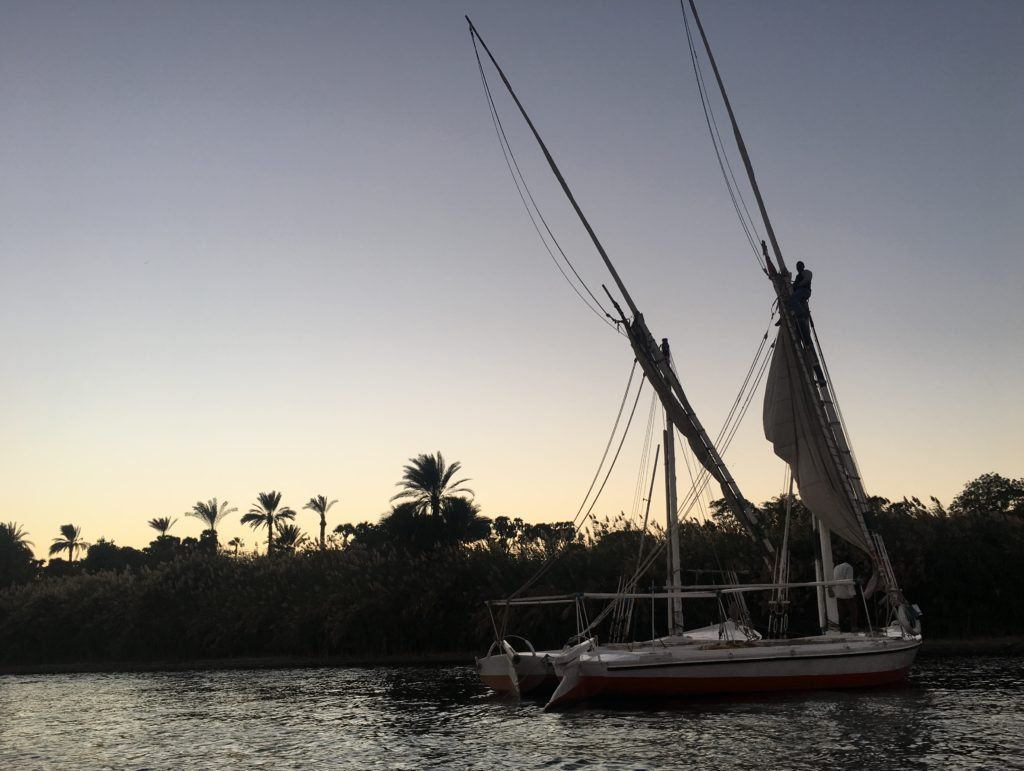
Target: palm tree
[[237, 543], [427, 482], [405, 527], [462, 521], [14, 534], [346, 531], [266, 514], [162, 525], [320, 505], [71, 542], [17, 563], [289, 537], [211, 513]]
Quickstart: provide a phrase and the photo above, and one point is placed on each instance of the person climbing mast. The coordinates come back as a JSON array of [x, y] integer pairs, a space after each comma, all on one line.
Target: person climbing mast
[[801, 291], [797, 302]]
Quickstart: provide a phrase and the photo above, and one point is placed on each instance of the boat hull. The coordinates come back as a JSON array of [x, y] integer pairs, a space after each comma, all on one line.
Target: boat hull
[[755, 667], [522, 673]]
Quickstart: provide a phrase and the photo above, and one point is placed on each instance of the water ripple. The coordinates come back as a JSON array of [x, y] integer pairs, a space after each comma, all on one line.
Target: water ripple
[[955, 714]]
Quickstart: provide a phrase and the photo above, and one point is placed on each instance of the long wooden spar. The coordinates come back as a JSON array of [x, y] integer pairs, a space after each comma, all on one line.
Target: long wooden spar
[[653, 361]]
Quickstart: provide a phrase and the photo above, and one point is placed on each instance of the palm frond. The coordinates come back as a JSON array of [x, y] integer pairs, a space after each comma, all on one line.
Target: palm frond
[[162, 524], [210, 512], [14, 533], [253, 518], [319, 504]]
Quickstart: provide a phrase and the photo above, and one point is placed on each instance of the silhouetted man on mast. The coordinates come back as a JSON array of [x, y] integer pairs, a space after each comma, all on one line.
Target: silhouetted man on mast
[[801, 291], [797, 302]]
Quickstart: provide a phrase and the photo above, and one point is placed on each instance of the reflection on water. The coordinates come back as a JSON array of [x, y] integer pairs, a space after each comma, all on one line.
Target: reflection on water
[[955, 714]]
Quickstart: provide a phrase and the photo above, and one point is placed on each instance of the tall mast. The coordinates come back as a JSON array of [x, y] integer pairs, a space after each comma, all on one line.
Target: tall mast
[[675, 578]]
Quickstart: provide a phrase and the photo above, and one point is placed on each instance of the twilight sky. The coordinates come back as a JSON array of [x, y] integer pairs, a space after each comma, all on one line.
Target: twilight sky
[[248, 246]]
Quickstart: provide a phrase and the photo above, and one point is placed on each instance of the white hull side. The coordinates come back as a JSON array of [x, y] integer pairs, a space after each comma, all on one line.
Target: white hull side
[[530, 670]]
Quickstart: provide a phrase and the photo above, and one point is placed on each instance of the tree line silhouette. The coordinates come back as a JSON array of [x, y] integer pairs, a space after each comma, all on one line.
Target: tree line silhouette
[[416, 581]]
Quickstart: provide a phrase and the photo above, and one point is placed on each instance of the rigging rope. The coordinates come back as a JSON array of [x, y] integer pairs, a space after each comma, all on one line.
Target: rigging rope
[[520, 182], [758, 368], [731, 186], [614, 458], [641, 475], [608, 445], [576, 521]]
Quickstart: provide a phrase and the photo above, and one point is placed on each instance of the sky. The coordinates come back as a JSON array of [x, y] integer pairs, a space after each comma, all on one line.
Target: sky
[[253, 246]]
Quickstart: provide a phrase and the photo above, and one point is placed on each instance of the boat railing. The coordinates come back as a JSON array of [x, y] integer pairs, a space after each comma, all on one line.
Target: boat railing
[[703, 591]]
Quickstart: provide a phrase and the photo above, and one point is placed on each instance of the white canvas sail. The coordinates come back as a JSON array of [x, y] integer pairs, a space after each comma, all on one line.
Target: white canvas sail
[[792, 425]]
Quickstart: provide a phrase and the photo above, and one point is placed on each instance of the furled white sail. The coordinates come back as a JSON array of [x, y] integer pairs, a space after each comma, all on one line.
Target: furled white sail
[[792, 426]]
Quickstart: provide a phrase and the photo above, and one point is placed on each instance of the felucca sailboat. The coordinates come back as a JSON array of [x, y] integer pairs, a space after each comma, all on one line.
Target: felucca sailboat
[[802, 422]]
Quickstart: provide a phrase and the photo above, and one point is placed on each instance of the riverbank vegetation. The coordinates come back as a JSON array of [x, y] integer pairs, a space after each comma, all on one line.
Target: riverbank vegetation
[[415, 582]]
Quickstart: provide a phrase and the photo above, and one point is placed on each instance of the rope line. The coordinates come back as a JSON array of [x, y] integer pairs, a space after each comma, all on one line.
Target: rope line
[[758, 366], [608, 445], [576, 521], [731, 186], [641, 476], [533, 210]]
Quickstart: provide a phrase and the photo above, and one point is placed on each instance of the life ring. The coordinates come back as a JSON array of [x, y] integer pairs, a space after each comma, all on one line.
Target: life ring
[[909, 618]]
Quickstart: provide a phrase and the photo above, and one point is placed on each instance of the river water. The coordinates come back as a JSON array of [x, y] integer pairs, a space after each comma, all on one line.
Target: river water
[[962, 713]]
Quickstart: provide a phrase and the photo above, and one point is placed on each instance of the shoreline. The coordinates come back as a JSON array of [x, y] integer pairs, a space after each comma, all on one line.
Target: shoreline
[[987, 646], [242, 662]]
